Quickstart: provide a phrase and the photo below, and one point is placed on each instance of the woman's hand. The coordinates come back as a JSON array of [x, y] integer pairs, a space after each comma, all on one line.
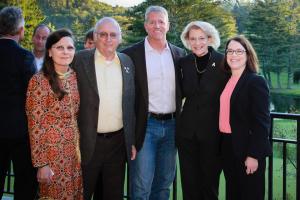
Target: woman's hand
[[44, 174], [251, 165]]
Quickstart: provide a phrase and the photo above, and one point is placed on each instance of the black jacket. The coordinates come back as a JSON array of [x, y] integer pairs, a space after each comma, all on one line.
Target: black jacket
[[250, 116], [200, 114], [16, 69]]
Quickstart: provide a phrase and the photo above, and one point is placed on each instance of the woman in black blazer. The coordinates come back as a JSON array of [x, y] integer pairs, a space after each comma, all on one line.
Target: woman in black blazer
[[198, 135], [244, 123]]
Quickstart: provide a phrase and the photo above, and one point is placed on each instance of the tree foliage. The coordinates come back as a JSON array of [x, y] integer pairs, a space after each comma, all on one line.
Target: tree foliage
[[32, 14], [181, 12], [273, 27]]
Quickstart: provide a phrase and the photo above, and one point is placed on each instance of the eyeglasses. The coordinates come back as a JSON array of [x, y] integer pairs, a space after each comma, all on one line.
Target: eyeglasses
[[62, 48], [237, 52], [105, 35]]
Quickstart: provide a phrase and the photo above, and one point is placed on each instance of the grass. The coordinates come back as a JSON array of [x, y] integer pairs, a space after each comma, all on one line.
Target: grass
[[295, 88], [285, 128]]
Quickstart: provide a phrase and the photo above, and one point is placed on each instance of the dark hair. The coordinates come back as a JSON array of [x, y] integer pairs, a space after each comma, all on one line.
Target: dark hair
[[40, 26], [11, 20], [252, 60], [48, 65], [89, 35]]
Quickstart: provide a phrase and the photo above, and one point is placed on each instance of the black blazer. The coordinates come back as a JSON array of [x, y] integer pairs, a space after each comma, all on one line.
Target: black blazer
[[137, 54], [250, 116], [16, 69], [200, 114]]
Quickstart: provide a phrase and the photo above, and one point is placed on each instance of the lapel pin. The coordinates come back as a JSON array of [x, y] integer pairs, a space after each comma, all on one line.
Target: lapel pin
[[214, 64], [126, 69]]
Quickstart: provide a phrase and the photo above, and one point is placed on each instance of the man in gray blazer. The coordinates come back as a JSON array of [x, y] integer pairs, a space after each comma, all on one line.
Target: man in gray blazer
[[106, 115]]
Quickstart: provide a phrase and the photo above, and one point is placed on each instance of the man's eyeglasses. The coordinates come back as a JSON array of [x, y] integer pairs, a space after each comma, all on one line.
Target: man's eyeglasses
[[105, 35], [62, 48], [237, 52]]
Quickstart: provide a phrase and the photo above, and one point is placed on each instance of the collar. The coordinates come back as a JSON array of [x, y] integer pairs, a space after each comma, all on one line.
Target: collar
[[148, 47], [102, 58]]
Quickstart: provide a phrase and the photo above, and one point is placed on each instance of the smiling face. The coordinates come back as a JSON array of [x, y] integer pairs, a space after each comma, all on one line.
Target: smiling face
[[156, 26], [236, 56], [198, 42], [107, 38], [62, 52]]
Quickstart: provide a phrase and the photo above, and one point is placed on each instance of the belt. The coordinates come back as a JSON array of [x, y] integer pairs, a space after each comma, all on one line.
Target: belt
[[110, 134], [162, 116]]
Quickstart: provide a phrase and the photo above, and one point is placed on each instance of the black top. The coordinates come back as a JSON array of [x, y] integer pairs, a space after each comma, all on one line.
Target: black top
[[200, 112], [201, 62]]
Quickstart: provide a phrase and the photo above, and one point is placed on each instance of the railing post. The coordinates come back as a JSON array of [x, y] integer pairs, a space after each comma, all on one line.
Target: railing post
[[284, 171], [9, 175], [270, 172], [298, 161]]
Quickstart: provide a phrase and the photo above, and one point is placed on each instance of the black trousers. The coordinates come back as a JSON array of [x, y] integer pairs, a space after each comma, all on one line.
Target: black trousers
[[105, 173], [239, 185], [25, 183], [200, 169]]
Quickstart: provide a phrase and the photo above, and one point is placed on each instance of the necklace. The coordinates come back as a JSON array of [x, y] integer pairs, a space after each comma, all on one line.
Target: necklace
[[63, 75], [204, 70]]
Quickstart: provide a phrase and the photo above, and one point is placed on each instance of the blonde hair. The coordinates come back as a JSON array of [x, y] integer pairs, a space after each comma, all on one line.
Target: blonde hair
[[207, 28]]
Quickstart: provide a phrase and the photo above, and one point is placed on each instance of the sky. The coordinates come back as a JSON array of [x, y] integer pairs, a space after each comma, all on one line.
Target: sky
[[124, 3]]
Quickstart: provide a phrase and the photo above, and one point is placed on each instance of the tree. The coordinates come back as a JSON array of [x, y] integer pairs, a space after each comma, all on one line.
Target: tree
[[270, 26], [32, 14], [181, 12]]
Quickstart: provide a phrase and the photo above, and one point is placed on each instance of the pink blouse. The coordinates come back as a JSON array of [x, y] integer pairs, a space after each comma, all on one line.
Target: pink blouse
[[224, 116]]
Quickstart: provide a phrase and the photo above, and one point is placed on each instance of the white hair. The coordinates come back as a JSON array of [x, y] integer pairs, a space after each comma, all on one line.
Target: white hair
[[207, 28], [109, 20]]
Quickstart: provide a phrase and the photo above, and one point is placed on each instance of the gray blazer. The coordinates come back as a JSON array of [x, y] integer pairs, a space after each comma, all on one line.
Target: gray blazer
[[84, 65]]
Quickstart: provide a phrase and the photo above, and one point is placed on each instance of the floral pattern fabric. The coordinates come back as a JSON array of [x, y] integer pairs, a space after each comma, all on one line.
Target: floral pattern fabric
[[54, 136]]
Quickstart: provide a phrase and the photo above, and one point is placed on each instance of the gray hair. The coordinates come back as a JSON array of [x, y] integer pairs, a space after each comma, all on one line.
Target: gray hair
[[11, 20], [207, 28], [158, 9], [109, 20], [40, 26]]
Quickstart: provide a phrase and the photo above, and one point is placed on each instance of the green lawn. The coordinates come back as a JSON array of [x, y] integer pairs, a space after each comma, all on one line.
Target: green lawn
[[295, 88]]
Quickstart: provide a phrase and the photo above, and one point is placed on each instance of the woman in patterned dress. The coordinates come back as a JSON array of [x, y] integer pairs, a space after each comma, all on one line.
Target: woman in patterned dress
[[52, 106]]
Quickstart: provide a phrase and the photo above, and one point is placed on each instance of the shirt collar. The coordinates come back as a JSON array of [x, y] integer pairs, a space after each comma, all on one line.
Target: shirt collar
[[102, 58], [148, 47]]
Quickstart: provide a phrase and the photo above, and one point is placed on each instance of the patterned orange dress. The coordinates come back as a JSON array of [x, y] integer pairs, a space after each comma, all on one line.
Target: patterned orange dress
[[54, 136]]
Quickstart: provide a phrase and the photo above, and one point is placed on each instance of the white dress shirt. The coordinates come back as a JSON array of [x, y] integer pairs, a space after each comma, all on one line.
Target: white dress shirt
[[38, 63], [161, 79]]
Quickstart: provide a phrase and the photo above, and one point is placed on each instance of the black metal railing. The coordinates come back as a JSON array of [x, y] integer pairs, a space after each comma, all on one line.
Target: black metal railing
[[284, 142]]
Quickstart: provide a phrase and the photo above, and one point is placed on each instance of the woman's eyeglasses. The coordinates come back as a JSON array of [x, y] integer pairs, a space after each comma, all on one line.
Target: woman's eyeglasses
[[237, 52]]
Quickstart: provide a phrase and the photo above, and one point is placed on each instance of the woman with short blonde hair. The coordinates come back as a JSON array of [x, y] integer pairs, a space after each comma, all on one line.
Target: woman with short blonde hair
[[198, 138]]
